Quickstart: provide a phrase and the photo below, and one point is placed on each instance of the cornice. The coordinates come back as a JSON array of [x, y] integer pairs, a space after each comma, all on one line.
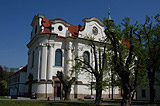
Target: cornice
[[36, 17], [60, 21], [39, 36], [94, 19]]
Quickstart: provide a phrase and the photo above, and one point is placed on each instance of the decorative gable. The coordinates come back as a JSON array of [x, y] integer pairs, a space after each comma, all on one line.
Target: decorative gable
[[93, 28]]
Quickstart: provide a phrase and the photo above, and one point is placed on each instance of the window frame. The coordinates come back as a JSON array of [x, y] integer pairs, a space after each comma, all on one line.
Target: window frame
[[143, 93], [33, 56], [56, 58], [88, 58]]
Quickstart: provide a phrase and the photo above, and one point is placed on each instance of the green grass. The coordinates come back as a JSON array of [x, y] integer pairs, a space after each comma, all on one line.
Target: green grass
[[133, 101], [44, 103]]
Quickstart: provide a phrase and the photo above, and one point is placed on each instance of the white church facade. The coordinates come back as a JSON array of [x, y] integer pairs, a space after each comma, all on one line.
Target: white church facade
[[53, 46]]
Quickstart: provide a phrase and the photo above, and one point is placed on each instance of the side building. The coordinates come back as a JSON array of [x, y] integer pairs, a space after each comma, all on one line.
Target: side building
[[143, 93], [17, 82]]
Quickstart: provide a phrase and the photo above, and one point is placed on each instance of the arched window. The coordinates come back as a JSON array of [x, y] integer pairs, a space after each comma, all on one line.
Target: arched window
[[58, 58], [86, 58]]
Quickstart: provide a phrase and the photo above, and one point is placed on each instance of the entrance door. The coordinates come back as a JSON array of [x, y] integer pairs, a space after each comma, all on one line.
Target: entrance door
[[57, 89]]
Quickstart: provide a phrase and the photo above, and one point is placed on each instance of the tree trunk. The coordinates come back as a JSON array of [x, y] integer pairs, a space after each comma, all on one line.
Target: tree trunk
[[126, 96], [151, 85], [126, 90], [67, 93], [151, 92], [133, 95], [98, 96], [112, 92], [98, 91]]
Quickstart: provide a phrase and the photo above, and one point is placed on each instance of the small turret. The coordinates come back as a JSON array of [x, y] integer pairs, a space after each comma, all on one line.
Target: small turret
[[109, 15]]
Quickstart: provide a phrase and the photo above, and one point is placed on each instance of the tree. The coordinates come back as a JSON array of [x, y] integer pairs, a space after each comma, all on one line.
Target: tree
[[67, 83], [97, 68], [6, 73], [151, 41], [123, 43], [3, 87]]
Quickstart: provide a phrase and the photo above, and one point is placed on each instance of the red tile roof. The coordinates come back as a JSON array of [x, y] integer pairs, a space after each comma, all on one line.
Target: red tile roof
[[46, 24], [82, 28], [126, 42], [73, 29], [47, 27]]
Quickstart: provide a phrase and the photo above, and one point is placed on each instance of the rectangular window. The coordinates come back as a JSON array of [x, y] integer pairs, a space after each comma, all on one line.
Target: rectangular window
[[143, 93], [33, 59], [154, 93]]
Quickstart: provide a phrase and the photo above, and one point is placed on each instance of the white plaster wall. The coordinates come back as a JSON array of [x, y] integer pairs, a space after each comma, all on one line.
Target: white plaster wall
[[139, 93], [39, 88], [88, 31], [157, 94], [50, 88], [37, 24], [22, 77], [83, 89], [42, 88], [60, 43], [56, 30], [147, 90], [21, 89]]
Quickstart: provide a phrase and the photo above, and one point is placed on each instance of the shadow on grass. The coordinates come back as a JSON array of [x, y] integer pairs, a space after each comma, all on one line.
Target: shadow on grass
[[69, 103]]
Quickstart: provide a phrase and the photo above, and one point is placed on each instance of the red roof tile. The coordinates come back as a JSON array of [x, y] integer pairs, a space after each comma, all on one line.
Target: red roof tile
[[56, 19], [46, 22], [47, 27], [73, 29], [126, 42], [82, 28]]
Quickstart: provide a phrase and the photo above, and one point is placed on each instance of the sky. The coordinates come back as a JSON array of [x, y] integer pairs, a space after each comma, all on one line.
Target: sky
[[16, 17]]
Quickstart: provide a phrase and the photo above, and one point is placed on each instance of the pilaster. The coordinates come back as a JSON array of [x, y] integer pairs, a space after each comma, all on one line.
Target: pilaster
[[50, 62], [43, 62]]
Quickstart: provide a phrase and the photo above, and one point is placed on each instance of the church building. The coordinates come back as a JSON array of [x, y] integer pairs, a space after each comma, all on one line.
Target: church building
[[53, 46]]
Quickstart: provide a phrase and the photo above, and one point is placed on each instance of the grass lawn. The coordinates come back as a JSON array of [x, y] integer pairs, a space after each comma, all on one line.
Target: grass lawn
[[44, 103], [133, 101]]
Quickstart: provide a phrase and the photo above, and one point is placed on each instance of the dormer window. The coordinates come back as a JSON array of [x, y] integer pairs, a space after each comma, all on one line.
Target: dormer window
[[95, 30], [60, 28]]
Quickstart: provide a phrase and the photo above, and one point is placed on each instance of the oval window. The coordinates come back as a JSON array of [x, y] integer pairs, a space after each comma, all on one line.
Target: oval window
[[60, 28]]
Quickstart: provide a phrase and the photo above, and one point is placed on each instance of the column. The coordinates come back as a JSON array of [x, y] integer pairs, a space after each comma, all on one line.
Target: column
[[43, 63], [68, 59], [50, 63], [36, 65], [39, 63], [76, 74]]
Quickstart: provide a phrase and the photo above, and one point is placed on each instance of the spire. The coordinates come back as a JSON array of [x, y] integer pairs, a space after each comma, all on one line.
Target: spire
[[109, 14]]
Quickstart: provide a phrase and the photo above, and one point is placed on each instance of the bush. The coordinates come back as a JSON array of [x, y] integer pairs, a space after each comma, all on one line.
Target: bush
[[3, 87]]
